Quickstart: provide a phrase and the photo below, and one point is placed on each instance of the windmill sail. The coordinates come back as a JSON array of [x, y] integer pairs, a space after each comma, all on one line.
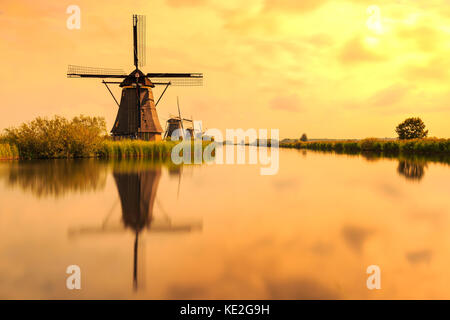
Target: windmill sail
[[139, 40], [177, 79], [93, 72]]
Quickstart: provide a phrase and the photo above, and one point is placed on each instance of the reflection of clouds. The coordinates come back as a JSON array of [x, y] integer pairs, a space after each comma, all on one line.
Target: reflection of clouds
[[321, 248], [299, 288], [355, 237], [435, 218], [186, 292], [390, 190], [285, 183], [416, 257], [257, 269]]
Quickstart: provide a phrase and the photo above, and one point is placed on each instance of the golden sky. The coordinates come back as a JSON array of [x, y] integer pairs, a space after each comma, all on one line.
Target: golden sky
[[323, 67]]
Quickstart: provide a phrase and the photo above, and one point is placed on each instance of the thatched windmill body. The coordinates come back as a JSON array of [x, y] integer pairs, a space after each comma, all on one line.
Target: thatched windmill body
[[137, 117]]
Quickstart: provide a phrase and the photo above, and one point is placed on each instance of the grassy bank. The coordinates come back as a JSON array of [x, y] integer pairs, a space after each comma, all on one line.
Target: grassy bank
[[107, 149], [427, 146], [80, 137]]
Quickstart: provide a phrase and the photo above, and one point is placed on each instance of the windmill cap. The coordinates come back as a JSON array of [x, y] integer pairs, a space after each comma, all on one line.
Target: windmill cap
[[143, 80]]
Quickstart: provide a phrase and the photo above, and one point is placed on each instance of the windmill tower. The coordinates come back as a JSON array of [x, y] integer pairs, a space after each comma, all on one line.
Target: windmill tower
[[137, 117]]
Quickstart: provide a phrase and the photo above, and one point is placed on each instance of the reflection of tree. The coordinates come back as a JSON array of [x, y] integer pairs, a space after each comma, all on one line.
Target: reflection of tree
[[412, 170], [57, 177]]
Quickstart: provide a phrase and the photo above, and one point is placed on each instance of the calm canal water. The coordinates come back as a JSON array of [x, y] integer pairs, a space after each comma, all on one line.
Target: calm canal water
[[143, 230]]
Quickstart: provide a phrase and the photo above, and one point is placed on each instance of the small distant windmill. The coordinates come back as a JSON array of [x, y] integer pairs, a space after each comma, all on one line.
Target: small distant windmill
[[176, 123], [137, 117]]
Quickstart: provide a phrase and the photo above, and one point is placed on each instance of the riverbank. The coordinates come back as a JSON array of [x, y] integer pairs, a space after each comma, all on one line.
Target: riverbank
[[428, 146], [107, 149]]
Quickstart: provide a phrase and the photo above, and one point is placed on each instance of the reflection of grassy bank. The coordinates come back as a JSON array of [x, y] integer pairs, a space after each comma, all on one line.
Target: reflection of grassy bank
[[56, 177], [430, 146], [59, 177]]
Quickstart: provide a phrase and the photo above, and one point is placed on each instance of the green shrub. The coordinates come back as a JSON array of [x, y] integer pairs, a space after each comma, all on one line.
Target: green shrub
[[58, 137], [391, 147], [339, 146], [371, 144]]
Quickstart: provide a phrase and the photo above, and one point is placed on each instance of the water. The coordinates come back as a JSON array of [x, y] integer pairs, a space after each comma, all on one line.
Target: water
[[225, 231]]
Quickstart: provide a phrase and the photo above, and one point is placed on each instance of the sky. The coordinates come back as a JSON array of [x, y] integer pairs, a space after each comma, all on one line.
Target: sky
[[331, 69]]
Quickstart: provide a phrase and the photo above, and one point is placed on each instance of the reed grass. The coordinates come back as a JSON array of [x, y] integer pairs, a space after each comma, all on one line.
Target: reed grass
[[122, 149], [8, 152], [426, 146]]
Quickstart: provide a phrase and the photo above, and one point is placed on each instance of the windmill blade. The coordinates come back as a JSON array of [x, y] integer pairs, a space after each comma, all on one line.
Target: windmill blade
[[177, 79], [119, 228], [93, 72], [179, 183], [92, 230], [179, 114], [139, 40]]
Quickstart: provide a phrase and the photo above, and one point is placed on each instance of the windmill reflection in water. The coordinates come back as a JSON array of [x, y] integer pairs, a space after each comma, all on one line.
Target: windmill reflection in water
[[137, 194]]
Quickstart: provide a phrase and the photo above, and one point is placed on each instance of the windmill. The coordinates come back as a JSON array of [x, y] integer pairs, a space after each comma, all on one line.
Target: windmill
[[177, 123], [137, 193], [137, 117]]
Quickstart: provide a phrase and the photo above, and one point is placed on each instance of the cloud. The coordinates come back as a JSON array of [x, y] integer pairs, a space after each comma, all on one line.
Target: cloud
[[321, 40], [186, 3], [389, 96], [293, 5], [426, 38], [266, 17], [286, 103], [434, 70], [250, 21], [354, 52]]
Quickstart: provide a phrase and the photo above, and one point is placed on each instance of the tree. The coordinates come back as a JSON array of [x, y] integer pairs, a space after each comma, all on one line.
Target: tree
[[304, 137], [411, 128]]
